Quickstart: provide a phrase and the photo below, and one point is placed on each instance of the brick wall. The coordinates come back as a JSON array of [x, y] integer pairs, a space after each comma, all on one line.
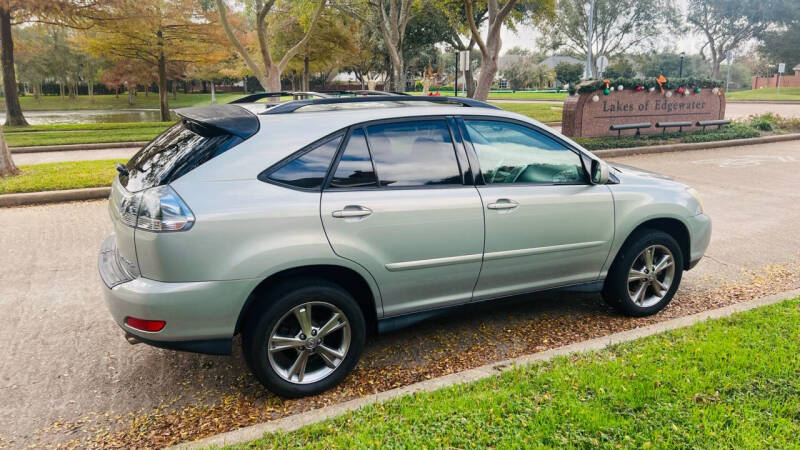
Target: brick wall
[[786, 81]]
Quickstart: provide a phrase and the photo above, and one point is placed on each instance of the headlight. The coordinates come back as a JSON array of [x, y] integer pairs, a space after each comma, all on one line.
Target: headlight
[[693, 192]]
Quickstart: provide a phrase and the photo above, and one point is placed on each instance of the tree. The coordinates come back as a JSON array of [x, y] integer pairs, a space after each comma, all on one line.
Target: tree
[[490, 47], [393, 17], [7, 166], [782, 45], [327, 48], [727, 24], [569, 73], [367, 60], [619, 26], [459, 32], [15, 12], [158, 33], [31, 44], [542, 76], [621, 68], [13, 109], [269, 73], [651, 65]]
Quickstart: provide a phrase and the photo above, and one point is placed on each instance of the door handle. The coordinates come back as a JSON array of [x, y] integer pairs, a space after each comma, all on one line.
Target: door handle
[[352, 211], [503, 203]]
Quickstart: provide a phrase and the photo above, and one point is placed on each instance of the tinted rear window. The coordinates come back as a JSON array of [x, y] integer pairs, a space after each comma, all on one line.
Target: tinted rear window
[[174, 153]]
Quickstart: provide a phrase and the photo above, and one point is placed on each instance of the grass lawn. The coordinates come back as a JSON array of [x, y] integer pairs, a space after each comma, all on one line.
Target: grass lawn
[[83, 133], [728, 383], [61, 175], [792, 93], [54, 102], [539, 111]]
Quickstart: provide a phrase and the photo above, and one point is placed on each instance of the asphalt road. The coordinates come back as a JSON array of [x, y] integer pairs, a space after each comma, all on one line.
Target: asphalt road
[[64, 366]]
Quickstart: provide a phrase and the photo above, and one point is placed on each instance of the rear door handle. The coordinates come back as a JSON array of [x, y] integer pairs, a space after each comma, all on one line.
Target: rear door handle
[[503, 203], [352, 211]]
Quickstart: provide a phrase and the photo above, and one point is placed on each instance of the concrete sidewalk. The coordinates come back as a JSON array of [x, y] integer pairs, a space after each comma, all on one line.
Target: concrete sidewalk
[[74, 155]]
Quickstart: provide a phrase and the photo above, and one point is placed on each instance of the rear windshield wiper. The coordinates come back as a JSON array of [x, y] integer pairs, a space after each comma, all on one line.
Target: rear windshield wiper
[[122, 169]]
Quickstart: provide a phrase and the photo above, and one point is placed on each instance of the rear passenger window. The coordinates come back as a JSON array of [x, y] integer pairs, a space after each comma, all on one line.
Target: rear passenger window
[[355, 167], [308, 170], [418, 153]]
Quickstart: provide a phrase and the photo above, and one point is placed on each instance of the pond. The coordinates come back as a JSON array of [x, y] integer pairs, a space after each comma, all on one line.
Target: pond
[[90, 116]]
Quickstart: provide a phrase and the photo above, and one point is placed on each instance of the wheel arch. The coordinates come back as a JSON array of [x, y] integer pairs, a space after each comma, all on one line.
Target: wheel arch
[[352, 281], [670, 225]]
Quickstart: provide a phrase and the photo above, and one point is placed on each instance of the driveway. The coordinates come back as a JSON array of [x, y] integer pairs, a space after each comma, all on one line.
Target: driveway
[[66, 372]]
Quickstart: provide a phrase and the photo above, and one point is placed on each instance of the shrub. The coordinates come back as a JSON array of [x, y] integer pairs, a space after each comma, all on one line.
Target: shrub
[[736, 130], [764, 122]]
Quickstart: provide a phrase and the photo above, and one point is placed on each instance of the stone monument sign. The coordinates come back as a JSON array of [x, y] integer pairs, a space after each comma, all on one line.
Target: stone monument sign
[[593, 113]]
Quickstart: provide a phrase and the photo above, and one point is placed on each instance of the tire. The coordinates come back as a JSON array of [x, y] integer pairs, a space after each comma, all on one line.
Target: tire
[[631, 272], [328, 358]]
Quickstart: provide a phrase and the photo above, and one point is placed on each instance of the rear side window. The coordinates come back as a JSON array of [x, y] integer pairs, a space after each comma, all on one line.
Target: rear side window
[[308, 170], [174, 153], [355, 167], [418, 153]]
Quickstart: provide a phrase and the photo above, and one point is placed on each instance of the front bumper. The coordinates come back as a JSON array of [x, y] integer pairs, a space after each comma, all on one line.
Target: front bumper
[[200, 315], [700, 234]]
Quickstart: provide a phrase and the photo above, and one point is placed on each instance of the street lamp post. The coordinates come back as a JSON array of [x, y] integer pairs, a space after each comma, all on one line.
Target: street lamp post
[[589, 36], [680, 70]]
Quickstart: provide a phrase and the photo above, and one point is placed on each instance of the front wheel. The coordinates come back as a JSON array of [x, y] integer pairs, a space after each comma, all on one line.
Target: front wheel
[[645, 275], [307, 340]]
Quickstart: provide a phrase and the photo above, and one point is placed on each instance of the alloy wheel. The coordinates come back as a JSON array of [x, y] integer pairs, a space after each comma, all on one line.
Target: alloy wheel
[[651, 275], [309, 342]]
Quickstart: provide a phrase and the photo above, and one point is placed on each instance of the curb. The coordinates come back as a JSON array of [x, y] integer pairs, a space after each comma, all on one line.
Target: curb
[[694, 146], [67, 195], [766, 102], [291, 423], [75, 147]]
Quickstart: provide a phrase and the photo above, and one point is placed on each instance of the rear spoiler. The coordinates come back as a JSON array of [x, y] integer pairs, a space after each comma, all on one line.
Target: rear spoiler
[[217, 119]]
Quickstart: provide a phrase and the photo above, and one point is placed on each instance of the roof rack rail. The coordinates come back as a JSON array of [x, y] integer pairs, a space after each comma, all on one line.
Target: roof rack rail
[[364, 92], [293, 106], [296, 95]]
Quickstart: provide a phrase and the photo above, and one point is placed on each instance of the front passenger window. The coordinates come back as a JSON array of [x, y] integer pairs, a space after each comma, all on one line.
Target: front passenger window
[[511, 153]]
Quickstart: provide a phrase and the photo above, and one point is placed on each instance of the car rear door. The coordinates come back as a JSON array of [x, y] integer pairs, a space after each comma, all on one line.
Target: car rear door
[[546, 225], [396, 203]]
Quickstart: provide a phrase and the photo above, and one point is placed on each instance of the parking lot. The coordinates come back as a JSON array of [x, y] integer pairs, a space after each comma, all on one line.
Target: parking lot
[[66, 372]]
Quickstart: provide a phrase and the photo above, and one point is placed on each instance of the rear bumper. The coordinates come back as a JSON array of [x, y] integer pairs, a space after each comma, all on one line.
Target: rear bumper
[[200, 316]]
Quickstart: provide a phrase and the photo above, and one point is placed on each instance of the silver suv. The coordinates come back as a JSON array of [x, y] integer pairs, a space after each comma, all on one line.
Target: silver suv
[[309, 225]]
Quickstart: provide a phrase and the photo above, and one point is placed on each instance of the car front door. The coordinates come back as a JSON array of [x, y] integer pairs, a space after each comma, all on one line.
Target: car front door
[[546, 225], [397, 204]]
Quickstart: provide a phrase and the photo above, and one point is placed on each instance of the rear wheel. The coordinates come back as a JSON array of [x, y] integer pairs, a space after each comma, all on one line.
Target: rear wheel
[[645, 275], [307, 340]]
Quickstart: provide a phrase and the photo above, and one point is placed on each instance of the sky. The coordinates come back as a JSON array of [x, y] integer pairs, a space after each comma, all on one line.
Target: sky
[[526, 37]]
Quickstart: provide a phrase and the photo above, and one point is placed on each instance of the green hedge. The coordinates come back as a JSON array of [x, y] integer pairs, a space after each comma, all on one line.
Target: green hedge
[[733, 131], [631, 83]]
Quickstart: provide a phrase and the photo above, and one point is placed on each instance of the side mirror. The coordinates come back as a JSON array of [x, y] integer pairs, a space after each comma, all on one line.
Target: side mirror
[[599, 172]]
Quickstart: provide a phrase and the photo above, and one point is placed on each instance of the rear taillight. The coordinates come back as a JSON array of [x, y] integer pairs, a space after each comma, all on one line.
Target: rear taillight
[[156, 209], [144, 324]]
